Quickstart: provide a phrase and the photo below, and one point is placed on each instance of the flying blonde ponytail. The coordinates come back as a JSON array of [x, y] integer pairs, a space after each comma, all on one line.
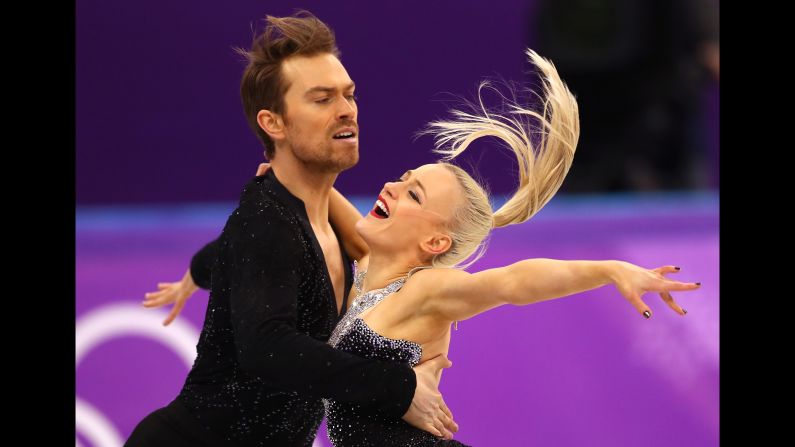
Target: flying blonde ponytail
[[543, 164]]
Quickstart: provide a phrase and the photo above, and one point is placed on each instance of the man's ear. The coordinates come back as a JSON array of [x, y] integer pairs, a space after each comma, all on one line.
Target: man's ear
[[272, 124], [437, 244]]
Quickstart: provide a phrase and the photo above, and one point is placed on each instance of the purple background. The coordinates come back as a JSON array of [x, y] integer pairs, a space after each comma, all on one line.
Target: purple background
[[158, 110], [584, 370], [163, 149]]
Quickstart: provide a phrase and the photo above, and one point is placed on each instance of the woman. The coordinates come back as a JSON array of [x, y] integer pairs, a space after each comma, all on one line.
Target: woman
[[431, 223]]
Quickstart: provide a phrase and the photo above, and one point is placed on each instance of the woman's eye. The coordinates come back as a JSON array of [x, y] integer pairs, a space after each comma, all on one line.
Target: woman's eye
[[414, 196]]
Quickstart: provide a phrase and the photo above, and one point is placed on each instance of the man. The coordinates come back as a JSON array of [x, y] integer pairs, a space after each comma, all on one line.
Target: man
[[280, 278]]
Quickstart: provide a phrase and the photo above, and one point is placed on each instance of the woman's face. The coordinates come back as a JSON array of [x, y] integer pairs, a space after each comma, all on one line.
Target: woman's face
[[412, 212]]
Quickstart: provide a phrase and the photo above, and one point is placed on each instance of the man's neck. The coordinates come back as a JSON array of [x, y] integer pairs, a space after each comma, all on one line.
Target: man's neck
[[312, 187]]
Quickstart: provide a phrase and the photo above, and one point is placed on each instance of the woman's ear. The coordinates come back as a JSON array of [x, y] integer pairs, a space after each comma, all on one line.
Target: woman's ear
[[437, 244], [271, 123]]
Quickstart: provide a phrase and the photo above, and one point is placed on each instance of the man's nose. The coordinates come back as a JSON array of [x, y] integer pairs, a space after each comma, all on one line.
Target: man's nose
[[347, 109]]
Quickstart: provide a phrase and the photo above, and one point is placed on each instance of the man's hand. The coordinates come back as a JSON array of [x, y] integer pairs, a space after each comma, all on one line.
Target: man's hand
[[428, 410], [172, 292]]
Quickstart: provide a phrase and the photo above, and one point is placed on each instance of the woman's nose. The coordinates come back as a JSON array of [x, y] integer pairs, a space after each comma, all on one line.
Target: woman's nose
[[390, 188]]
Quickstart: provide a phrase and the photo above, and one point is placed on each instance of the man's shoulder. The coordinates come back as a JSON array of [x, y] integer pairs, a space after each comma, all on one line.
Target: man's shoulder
[[261, 211], [257, 199]]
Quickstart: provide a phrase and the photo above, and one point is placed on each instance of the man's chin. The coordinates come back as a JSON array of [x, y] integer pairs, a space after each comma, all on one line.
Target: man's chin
[[345, 161]]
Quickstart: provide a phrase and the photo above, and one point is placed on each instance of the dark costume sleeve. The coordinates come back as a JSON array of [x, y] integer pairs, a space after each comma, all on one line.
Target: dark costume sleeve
[[201, 264], [264, 256]]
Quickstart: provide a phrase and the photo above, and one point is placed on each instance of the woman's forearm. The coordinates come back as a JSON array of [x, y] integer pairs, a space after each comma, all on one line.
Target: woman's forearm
[[344, 217], [534, 280]]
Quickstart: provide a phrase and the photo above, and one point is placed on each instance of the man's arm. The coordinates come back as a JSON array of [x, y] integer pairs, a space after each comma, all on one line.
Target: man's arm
[[202, 263], [198, 275]]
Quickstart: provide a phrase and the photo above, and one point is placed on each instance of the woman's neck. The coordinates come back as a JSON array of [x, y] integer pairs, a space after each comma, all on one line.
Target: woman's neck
[[383, 270]]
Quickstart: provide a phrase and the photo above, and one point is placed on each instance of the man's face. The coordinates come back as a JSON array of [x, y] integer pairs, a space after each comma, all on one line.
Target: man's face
[[320, 116]]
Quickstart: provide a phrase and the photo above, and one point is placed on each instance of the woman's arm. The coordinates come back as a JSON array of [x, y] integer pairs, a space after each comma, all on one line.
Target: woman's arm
[[344, 216], [456, 295]]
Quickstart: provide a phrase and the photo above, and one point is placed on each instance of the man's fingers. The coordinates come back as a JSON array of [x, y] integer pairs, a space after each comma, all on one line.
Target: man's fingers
[[174, 312], [439, 426], [448, 422], [153, 300], [449, 414], [447, 411], [433, 430]]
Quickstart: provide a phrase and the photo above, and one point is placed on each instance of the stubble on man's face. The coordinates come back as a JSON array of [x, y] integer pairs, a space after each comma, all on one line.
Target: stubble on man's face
[[319, 154]]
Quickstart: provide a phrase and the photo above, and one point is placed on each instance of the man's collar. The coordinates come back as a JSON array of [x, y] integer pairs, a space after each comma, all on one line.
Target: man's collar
[[270, 180]]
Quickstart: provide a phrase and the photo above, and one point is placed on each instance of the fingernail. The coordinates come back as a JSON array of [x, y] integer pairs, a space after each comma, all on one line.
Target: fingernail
[[684, 311], [677, 268], [698, 283], [647, 314]]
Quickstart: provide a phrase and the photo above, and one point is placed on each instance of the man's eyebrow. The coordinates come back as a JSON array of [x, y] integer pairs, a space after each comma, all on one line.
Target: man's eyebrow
[[324, 89]]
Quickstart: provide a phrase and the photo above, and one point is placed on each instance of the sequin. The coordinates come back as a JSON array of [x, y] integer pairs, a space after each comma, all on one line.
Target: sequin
[[352, 425], [218, 392]]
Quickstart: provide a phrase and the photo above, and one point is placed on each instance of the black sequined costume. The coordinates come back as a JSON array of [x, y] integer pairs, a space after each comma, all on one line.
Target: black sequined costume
[[262, 362], [349, 423]]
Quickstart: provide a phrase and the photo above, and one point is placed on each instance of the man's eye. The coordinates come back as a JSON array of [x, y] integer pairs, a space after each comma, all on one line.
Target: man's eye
[[353, 97], [322, 101]]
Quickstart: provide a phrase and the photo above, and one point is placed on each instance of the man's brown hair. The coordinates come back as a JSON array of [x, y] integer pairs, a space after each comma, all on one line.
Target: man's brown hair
[[263, 86]]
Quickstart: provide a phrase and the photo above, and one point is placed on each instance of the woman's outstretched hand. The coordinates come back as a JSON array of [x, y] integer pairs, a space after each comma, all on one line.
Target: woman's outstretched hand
[[633, 281]]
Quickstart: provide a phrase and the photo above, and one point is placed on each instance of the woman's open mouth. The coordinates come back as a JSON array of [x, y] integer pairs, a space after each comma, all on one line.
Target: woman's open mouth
[[380, 209]]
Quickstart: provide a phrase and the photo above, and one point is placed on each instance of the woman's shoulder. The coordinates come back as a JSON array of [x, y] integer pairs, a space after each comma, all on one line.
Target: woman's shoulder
[[432, 280]]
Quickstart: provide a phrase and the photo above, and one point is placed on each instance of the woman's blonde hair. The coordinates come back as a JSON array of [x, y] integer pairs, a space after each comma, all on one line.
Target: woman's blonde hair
[[542, 164]]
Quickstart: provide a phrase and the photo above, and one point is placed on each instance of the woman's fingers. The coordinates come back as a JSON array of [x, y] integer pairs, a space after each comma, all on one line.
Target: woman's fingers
[[639, 305], [669, 286], [669, 300], [666, 269]]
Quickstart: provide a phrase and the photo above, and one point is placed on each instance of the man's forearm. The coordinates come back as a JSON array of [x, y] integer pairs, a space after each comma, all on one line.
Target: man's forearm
[[294, 361]]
